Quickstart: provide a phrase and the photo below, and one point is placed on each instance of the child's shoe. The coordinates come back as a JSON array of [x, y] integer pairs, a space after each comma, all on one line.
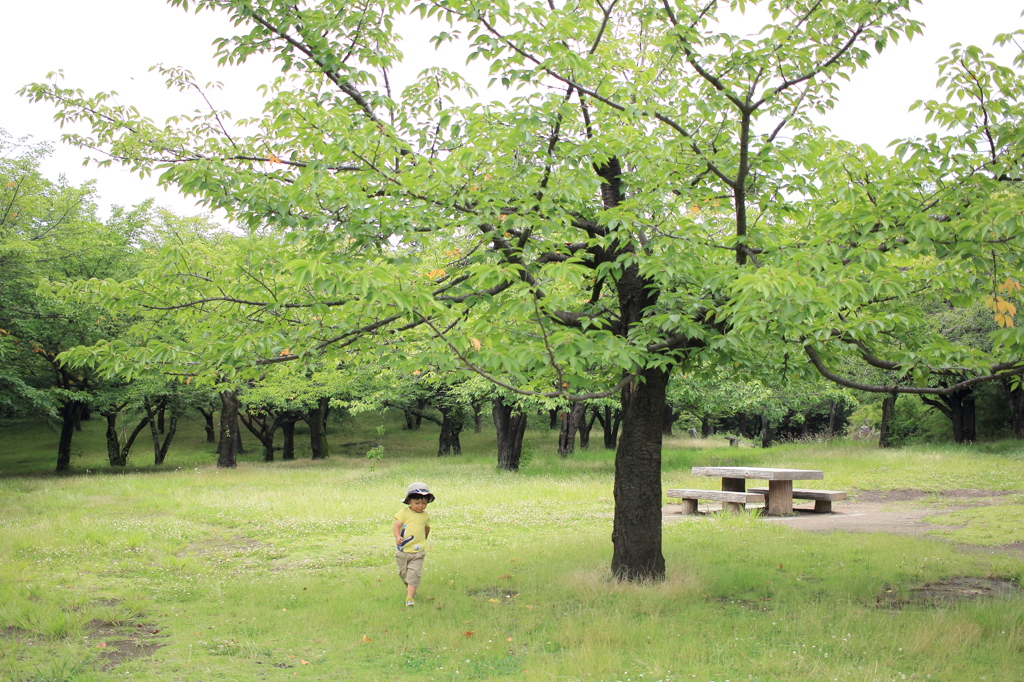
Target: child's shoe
[[410, 602]]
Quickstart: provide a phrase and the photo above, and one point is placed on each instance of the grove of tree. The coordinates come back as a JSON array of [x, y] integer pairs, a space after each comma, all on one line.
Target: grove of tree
[[641, 193]]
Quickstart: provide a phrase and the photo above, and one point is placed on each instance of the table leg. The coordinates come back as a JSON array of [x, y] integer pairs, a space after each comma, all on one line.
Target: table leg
[[734, 485], [780, 498]]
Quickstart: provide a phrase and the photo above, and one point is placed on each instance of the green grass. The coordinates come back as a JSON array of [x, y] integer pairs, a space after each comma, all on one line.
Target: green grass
[[283, 571]]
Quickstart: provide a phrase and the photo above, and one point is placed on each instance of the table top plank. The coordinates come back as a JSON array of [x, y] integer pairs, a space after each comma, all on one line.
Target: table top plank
[[760, 473]]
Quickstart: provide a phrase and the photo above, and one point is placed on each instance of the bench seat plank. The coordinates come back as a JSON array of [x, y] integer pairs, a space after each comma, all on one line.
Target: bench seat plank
[[716, 495], [733, 501], [823, 499]]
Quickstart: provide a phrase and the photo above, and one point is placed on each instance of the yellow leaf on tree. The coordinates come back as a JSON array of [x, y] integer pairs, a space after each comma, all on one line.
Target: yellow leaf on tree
[[273, 158], [476, 343], [1009, 285]]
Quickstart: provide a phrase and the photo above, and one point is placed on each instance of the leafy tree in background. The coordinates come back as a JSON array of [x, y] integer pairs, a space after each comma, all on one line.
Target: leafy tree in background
[[649, 194], [49, 229]]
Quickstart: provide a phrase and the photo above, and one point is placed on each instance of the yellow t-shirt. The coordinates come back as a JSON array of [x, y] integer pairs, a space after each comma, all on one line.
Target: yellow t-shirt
[[414, 529]]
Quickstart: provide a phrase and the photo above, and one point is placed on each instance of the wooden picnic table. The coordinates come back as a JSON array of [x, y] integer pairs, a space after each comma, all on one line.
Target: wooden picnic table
[[780, 483]]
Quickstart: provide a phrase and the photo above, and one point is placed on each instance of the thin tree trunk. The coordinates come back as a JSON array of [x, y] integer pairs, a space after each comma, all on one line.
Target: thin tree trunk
[[288, 436], [68, 418], [113, 441], [211, 431], [585, 427], [610, 421], [707, 426], [670, 418], [959, 409], [741, 424], [553, 416], [570, 425], [478, 426], [1015, 401], [885, 433], [263, 426], [227, 453], [452, 423], [421, 405], [766, 431], [318, 429], [161, 453], [833, 408], [127, 447], [410, 419]]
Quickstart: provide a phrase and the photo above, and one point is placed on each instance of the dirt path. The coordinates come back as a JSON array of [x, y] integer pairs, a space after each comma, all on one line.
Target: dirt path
[[900, 512]]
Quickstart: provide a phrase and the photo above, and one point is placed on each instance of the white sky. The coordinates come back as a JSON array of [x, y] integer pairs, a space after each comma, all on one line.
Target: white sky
[[107, 45]]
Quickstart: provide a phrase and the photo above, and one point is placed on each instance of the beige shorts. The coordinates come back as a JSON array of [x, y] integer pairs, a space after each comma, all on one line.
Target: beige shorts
[[410, 566]]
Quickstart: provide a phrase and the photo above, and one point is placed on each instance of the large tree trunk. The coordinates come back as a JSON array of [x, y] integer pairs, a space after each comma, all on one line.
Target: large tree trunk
[[69, 413], [741, 424], [884, 434], [636, 533], [510, 424], [553, 419], [570, 425], [318, 429], [227, 452], [452, 423], [1015, 401]]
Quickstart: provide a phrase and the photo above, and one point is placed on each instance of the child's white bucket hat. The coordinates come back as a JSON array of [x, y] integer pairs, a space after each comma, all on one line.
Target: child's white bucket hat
[[418, 488]]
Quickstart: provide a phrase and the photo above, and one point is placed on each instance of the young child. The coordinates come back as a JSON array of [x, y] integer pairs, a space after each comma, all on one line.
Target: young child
[[411, 529]]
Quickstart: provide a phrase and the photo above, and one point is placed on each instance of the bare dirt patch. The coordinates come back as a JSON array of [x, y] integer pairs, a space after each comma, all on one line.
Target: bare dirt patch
[[218, 545], [913, 494], [897, 511], [118, 644], [952, 591], [503, 595]]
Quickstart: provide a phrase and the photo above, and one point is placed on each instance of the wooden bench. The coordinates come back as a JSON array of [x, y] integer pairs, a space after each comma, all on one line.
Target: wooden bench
[[733, 501], [823, 499]]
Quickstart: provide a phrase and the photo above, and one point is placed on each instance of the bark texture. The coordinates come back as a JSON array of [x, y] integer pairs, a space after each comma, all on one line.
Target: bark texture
[[227, 451], [885, 431], [510, 425], [636, 533]]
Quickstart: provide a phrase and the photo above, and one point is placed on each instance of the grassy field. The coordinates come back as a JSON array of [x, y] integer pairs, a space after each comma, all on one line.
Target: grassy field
[[283, 571]]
